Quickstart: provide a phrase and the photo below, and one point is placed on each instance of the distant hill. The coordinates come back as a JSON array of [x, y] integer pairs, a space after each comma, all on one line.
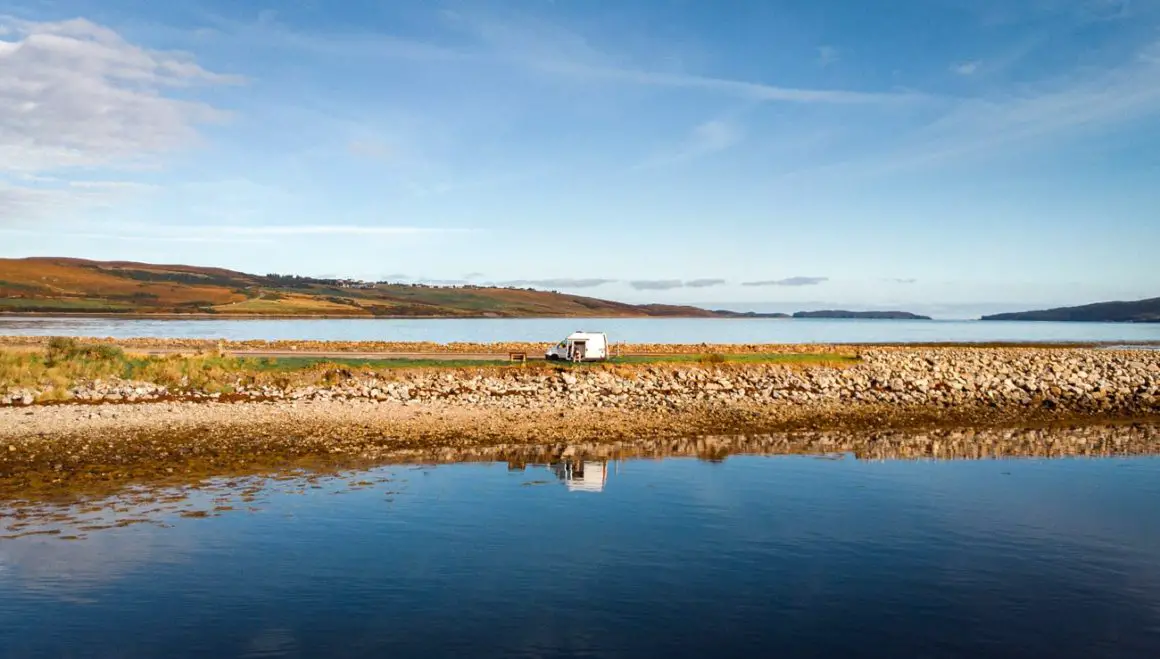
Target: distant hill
[[65, 285], [1140, 311], [871, 315]]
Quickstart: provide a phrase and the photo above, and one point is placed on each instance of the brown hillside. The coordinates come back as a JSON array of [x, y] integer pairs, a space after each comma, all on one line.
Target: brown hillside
[[68, 285]]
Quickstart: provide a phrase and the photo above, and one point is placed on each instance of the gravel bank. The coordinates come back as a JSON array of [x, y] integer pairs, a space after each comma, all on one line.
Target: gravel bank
[[1073, 380], [125, 431], [361, 415]]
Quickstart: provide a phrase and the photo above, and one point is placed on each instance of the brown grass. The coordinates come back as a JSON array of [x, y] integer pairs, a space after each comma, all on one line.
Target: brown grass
[[63, 364], [69, 279], [290, 305]]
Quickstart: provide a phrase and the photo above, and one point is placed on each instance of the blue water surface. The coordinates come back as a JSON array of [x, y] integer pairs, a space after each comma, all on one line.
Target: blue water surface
[[753, 556], [631, 330]]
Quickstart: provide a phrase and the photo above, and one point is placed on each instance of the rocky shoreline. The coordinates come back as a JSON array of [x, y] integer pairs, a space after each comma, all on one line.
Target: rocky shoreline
[[141, 428], [1071, 380]]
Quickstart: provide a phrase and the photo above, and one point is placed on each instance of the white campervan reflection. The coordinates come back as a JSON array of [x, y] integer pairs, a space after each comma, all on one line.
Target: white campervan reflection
[[582, 476], [580, 347]]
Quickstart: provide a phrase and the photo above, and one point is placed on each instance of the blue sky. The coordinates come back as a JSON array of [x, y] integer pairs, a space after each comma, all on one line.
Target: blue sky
[[970, 153]]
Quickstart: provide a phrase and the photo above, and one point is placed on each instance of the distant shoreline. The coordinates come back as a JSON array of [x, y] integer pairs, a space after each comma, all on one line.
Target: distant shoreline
[[1071, 320], [220, 316]]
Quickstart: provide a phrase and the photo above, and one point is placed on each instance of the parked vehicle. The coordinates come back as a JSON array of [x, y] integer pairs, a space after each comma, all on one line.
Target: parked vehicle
[[580, 347]]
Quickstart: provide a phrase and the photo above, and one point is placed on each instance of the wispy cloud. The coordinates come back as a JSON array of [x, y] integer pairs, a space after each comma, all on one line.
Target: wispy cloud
[[120, 236], [704, 139], [656, 284], [329, 229], [1046, 112], [896, 280], [828, 55], [704, 283], [219, 234], [368, 148], [966, 68], [110, 185], [715, 135], [789, 281], [1077, 12], [31, 198], [755, 91], [1081, 101], [76, 94], [549, 48], [557, 283], [1100, 11]]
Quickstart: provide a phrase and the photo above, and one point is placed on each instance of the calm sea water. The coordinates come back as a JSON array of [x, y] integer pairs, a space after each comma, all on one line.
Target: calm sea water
[[753, 556], [634, 330]]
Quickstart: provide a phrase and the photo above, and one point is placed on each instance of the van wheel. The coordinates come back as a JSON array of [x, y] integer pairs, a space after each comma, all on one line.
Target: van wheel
[[553, 358]]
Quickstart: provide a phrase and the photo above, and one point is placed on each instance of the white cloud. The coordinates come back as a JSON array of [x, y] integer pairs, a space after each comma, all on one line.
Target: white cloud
[[110, 185], [216, 234], [120, 236], [789, 281], [1084, 100], [656, 284], [827, 55], [16, 201], [738, 88], [1019, 118], [368, 148], [76, 94], [32, 197], [704, 139], [564, 282], [715, 135], [550, 48], [326, 229], [966, 68]]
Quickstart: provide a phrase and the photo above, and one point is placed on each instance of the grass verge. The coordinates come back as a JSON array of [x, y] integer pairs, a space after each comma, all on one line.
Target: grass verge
[[66, 363]]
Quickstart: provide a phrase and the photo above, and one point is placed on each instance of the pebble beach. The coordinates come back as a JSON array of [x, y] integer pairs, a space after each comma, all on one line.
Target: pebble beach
[[112, 427]]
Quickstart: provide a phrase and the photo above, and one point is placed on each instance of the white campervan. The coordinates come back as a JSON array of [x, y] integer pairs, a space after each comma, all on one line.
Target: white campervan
[[580, 347]]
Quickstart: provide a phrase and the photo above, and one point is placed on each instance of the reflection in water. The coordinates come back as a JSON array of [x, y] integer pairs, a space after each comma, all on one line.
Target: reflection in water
[[582, 467], [730, 554], [582, 475]]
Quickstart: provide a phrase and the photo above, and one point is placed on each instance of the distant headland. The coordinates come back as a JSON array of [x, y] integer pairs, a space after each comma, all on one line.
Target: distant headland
[[864, 315], [1140, 311]]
